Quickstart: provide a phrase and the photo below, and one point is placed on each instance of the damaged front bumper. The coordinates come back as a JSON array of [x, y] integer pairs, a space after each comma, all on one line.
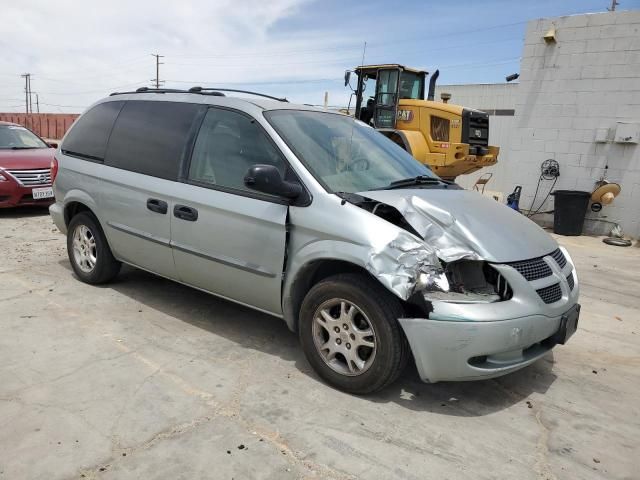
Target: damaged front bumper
[[472, 341], [453, 350]]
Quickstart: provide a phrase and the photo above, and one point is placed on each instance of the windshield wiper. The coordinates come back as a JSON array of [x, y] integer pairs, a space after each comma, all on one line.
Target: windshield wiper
[[24, 148], [419, 180]]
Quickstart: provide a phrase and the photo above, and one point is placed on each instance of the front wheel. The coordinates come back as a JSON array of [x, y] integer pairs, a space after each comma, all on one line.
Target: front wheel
[[350, 333], [88, 250]]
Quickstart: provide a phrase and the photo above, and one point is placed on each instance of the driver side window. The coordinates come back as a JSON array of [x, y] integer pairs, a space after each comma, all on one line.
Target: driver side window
[[228, 144]]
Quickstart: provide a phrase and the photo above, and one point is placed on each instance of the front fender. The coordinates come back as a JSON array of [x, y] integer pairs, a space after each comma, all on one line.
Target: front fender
[[305, 258]]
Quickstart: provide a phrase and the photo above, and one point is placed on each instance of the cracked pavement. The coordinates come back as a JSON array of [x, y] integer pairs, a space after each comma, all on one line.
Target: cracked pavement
[[146, 378]]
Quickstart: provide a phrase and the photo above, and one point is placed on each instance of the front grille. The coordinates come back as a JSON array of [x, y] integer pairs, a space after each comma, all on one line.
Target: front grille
[[570, 281], [440, 129], [475, 128], [550, 294], [559, 257], [532, 269], [32, 178]]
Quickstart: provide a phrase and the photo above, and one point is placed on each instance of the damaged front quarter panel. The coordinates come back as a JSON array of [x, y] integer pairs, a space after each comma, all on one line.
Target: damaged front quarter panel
[[408, 264]]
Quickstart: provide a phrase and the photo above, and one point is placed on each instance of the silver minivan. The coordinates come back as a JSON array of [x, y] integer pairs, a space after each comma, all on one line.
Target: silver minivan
[[316, 218]]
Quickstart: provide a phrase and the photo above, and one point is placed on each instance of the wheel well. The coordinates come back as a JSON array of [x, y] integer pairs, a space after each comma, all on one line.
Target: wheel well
[[74, 208], [396, 138], [311, 274]]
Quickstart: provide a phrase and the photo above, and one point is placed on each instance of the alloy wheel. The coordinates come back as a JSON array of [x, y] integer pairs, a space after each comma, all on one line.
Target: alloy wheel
[[344, 337]]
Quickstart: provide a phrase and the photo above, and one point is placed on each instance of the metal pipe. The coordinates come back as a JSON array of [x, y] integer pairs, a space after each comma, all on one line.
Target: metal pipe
[[432, 85]]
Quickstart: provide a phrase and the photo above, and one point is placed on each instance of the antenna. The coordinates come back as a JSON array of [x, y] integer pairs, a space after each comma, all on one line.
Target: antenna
[[364, 49]]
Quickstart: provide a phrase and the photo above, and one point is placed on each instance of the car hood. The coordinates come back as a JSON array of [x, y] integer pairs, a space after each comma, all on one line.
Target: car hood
[[464, 224], [26, 159]]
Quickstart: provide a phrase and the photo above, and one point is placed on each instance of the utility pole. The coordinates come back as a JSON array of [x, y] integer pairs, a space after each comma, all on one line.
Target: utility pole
[[614, 3], [37, 103], [26, 90], [30, 97], [157, 80]]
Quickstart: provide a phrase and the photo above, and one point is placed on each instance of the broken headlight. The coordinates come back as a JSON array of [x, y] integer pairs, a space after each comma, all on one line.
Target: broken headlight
[[472, 281]]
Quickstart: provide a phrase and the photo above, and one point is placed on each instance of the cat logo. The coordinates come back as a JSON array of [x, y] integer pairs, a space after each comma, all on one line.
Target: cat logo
[[478, 133], [405, 115]]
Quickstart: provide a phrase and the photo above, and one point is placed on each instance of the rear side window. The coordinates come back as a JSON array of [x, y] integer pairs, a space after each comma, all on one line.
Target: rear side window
[[151, 137], [88, 137]]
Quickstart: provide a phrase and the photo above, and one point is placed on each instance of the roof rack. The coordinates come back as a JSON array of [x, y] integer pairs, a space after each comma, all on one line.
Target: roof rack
[[217, 92], [204, 90], [151, 90]]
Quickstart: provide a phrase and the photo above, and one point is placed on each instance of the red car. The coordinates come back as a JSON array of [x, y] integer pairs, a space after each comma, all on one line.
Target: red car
[[26, 164]]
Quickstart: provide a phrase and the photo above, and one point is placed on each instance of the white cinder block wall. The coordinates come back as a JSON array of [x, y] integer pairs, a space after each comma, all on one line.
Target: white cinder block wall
[[588, 80]]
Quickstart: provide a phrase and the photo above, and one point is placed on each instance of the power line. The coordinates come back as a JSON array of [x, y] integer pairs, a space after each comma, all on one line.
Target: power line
[[265, 82]]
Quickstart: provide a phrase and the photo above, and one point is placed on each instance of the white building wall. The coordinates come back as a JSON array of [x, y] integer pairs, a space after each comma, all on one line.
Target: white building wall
[[588, 80]]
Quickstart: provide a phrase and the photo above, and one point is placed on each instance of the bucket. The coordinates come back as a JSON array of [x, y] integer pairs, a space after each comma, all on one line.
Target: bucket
[[570, 208]]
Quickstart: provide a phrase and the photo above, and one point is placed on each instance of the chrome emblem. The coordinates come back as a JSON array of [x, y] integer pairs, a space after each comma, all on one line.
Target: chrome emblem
[[42, 178]]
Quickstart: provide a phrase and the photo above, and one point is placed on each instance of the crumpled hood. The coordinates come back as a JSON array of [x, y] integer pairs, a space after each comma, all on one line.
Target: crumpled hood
[[464, 224]]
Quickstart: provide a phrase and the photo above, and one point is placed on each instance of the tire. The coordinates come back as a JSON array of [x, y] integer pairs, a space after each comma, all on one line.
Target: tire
[[618, 242], [361, 369], [89, 252]]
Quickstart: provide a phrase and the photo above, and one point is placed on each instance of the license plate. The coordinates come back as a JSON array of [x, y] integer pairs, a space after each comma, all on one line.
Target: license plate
[[40, 193], [568, 325]]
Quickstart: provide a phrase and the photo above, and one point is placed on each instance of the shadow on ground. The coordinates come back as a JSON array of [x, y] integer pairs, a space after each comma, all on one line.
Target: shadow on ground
[[24, 212], [257, 331]]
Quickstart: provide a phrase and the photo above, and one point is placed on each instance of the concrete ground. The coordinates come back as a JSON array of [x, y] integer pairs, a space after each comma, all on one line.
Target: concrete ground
[[145, 378]]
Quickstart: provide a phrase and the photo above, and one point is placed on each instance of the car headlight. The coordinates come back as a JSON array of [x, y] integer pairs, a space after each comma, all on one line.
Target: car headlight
[[472, 281]]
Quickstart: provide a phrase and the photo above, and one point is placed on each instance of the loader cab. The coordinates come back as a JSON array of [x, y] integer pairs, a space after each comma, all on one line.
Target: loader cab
[[377, 104]]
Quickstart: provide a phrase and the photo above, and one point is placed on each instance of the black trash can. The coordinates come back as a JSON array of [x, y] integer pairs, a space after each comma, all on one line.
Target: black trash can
[[570, 208]]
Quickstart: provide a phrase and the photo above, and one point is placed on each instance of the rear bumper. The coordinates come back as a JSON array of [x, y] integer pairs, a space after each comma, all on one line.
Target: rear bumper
[[56, 212], [459, 350], [15, 195]]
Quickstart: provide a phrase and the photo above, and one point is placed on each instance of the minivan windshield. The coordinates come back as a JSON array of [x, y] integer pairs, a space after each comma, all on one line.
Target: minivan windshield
[[344, 154], [14, 137]]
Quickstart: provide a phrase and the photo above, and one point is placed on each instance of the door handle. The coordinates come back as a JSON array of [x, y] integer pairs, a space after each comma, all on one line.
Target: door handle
[[157, 206], [185, 213]]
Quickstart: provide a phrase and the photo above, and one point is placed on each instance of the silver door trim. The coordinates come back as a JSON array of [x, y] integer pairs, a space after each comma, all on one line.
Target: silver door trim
[[139, 233], [231, 262]]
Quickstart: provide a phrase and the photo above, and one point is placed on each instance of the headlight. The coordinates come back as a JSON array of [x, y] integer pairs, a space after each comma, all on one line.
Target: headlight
[[472, 281], [2, 177]]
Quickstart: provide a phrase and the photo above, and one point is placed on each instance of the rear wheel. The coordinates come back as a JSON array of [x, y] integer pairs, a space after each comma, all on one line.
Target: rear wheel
[[350, 333], [88, 250]]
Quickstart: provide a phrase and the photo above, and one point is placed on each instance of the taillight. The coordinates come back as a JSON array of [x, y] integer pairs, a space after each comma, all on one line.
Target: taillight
[[54, 169]]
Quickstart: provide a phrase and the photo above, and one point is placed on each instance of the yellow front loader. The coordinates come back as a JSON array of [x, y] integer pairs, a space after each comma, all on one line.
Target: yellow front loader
[[451, 139]]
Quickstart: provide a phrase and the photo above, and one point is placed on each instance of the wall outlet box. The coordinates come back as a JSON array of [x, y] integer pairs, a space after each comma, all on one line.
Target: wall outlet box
[[627, 132]]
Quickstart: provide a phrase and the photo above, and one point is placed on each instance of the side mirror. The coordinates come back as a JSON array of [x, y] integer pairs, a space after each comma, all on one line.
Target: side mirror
[[52, 144], [347, 77], [267, 179]]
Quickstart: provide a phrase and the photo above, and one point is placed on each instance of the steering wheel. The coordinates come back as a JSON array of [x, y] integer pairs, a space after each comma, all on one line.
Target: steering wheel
[[359, 164]]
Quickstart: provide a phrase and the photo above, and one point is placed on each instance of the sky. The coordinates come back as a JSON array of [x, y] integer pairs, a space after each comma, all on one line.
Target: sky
[[80, 51]]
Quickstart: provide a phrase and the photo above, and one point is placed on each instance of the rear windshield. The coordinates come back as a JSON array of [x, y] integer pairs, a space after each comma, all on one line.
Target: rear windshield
[[14, 137], [345, 155]]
